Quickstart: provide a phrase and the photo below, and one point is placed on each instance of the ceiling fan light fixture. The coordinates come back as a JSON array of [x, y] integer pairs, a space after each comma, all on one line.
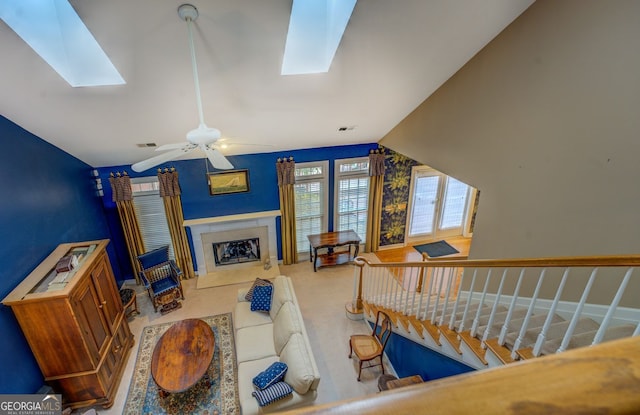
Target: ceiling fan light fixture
[[202, 137]]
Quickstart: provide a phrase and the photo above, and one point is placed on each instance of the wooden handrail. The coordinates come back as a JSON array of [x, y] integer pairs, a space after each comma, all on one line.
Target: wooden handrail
[[571, 261], [598, 379]]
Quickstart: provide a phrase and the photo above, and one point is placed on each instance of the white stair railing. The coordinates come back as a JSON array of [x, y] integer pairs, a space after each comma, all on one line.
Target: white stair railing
[[440, 292]]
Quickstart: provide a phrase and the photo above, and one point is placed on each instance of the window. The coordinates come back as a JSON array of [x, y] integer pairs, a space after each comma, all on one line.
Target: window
[[439, 204], [152, 218], [310, 201], [352, 195]]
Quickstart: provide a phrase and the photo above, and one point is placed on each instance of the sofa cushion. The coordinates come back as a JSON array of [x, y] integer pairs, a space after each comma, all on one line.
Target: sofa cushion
[[244, 317], [273, 393], [281, 294], [284, 325], [256, 283], [261, 300], [255, 343], [273, 374], [300, 373]]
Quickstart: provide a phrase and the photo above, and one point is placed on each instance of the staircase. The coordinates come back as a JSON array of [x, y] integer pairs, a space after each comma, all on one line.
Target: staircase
[[489, 313]]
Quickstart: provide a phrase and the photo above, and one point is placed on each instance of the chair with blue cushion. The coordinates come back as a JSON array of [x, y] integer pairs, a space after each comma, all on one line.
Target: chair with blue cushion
[[161, 277]]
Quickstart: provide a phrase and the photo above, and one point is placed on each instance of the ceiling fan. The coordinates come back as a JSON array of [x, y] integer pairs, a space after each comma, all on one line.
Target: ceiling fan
[[202, 137]]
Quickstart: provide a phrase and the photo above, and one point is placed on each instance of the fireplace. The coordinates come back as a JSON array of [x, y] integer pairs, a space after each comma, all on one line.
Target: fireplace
[[205, 232], [236, 252]]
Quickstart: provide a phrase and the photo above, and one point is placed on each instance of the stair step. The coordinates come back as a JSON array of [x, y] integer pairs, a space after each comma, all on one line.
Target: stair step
[[475, 345], [535, 322], [417, 326], [498, 321], [473, 308], [585, 338], [433, 331], [452, 337], [557, 331], [483, 319], [404, 320], [501, 352]]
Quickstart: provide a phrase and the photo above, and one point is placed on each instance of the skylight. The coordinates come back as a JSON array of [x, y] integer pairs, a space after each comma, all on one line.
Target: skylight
[[315, 30], [54, 31]]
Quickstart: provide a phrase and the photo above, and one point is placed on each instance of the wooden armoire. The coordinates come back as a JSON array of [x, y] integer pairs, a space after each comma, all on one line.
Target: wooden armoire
[[75, 324]]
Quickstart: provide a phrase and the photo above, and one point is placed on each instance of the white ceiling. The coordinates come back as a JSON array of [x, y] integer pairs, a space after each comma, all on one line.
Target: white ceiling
[[393, 55]]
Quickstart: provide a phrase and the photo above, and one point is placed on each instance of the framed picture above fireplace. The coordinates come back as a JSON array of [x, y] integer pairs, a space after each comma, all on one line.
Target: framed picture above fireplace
[[234, 181]]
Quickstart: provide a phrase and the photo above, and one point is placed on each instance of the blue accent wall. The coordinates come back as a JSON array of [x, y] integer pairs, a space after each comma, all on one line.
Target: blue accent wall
[[198, 203], [48, 198], [409, 358]]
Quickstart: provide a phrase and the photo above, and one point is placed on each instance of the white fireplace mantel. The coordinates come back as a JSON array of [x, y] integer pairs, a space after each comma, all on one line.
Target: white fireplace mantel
[[203, 226]]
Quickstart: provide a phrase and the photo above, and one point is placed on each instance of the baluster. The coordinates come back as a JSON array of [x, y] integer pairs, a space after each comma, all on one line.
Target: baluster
[[430, 291], [396, 302], [452, 321], [525, 324], [357, 274], [387, 287], [466, 306], [422, 275], [612, 308], [407, 289], [440, 278], [485, 335], [476, 320], [577, 313], [452, 272], [413, 299], [505, 327], [547, 323], [381, 280]]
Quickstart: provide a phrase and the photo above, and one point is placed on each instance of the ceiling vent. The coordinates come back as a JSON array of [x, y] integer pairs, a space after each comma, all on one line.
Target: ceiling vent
[[145, 145]]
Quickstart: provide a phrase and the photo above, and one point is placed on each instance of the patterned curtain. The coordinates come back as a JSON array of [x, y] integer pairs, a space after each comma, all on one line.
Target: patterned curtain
[[170, 194], [121, 190], [376, 182], [285, 170]]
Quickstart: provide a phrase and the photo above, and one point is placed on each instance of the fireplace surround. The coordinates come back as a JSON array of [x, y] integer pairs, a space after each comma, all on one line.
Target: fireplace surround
[[207, 231]]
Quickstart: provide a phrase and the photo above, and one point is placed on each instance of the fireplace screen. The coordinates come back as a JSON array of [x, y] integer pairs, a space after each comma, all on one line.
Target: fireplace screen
[[234, 252]]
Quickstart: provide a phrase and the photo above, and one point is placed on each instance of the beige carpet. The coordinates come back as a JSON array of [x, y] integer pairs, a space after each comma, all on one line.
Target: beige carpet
[[237, 276]]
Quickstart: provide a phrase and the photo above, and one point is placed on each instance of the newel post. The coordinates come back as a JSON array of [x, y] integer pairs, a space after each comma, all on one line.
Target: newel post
[[354, 309]]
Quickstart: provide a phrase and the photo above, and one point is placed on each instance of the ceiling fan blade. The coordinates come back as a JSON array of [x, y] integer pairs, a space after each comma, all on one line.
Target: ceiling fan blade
[[216, 158], [171, 146], [169, 155]]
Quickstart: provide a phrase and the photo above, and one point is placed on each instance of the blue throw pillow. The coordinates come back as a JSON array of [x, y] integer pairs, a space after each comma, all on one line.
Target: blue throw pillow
[[256, 283], [273, 393], [270, 375], [261, 300]]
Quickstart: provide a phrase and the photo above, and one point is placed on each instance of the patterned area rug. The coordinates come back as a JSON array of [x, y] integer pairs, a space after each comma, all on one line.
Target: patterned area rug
[[220, 398]]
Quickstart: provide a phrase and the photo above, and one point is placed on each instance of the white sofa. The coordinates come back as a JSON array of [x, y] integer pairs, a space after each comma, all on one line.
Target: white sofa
[[264, 338]]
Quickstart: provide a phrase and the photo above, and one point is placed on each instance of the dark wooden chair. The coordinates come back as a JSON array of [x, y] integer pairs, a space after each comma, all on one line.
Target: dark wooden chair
[[161, 277], [369, 347]]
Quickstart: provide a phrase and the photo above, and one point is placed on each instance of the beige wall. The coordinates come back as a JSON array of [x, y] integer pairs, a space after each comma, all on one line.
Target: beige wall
[[545, 121]]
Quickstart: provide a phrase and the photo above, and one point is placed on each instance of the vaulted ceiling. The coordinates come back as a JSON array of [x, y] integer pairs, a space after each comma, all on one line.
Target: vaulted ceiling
[[393, 55]]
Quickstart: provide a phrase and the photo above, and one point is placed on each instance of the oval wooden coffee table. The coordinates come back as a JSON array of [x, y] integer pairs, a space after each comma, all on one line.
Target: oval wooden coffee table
[[182, 356]]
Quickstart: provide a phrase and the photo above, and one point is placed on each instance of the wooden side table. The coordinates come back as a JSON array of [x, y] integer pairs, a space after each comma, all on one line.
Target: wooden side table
[[331, 240]]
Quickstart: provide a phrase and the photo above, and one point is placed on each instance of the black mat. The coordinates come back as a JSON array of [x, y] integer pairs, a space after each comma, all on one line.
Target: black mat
[[436, 249]]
